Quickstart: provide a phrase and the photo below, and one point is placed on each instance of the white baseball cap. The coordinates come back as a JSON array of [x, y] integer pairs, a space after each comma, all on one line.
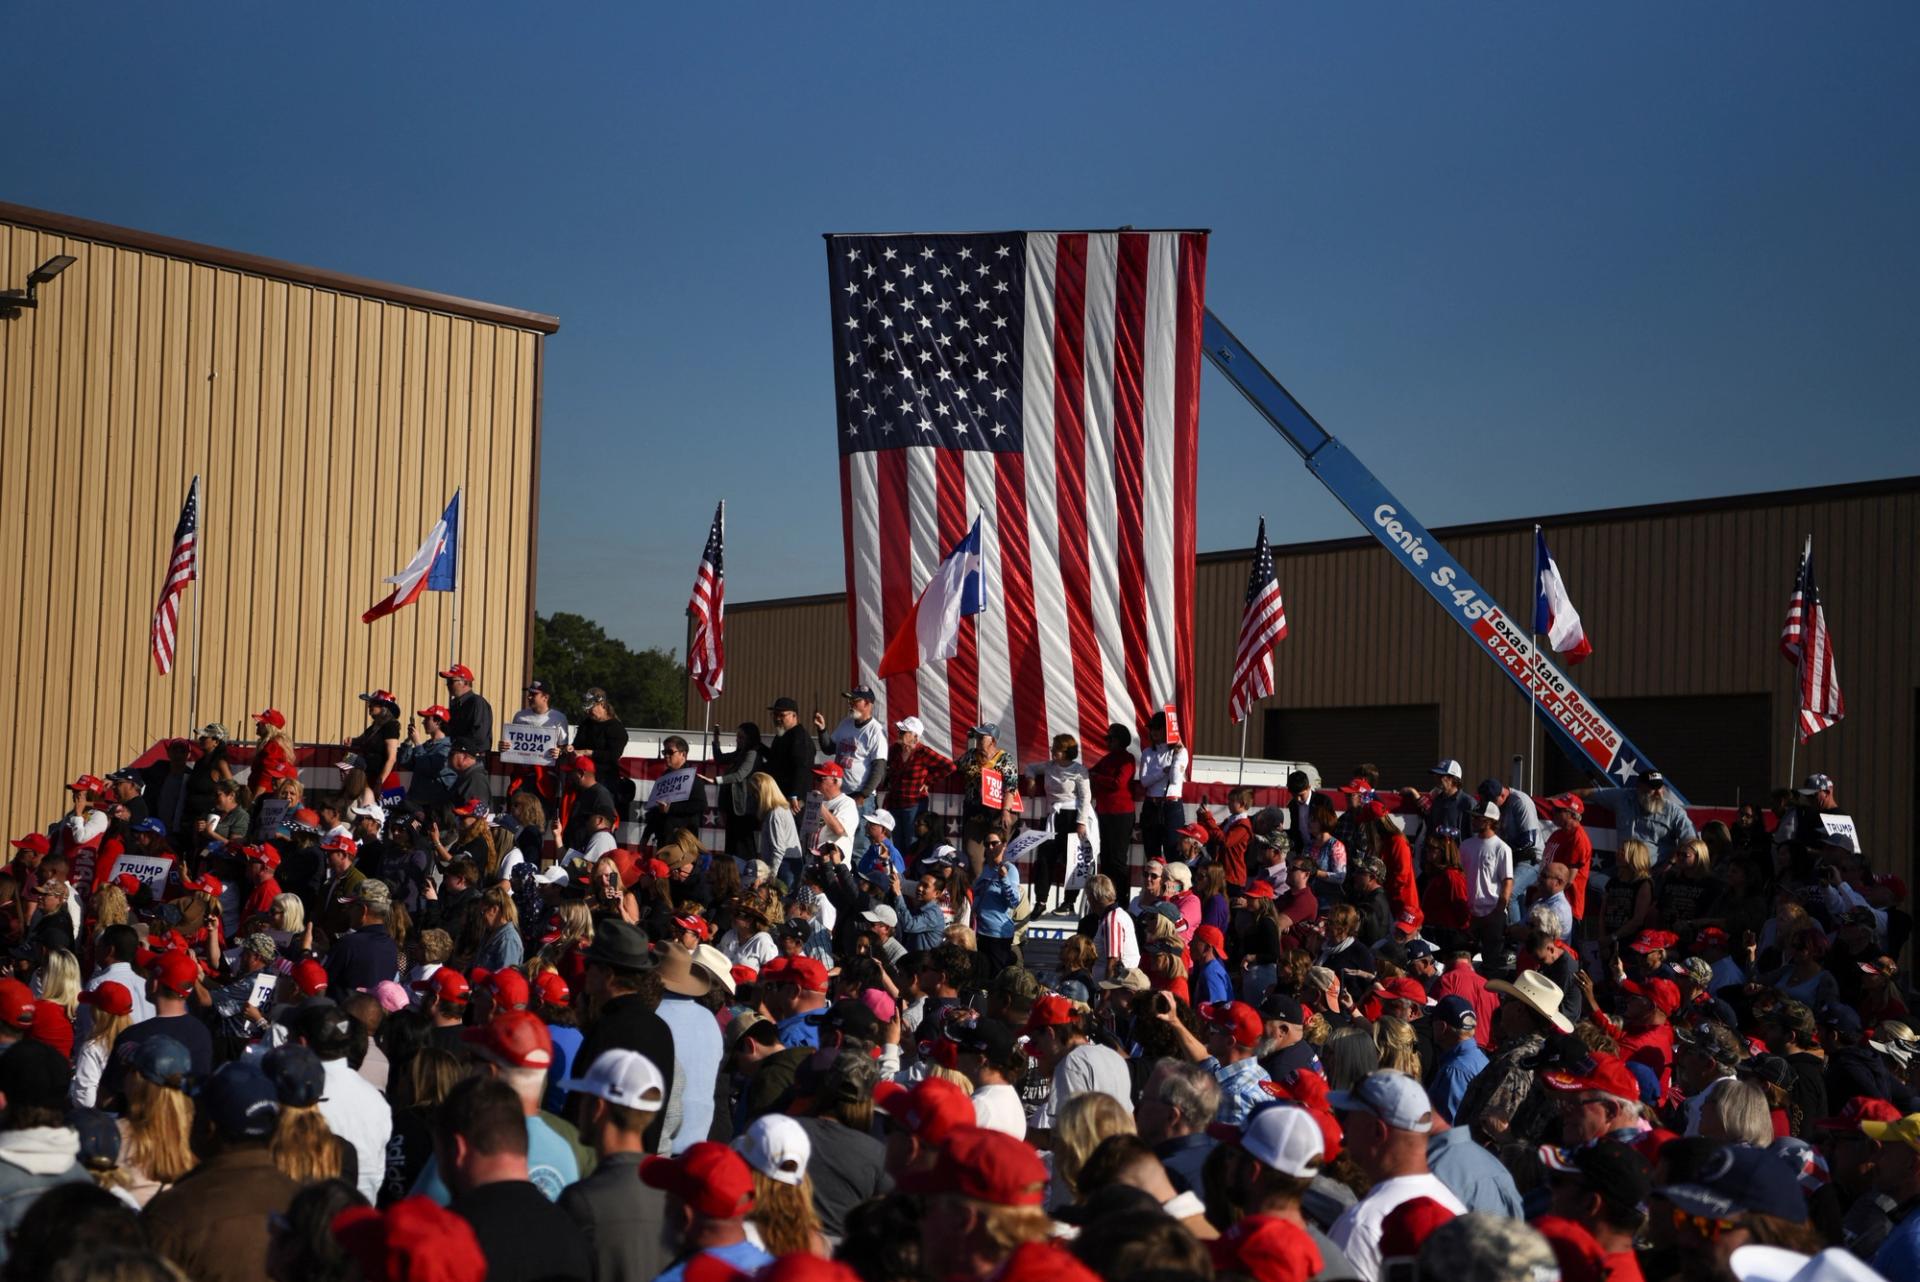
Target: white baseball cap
[[622, 1077], [1281, 1135], [1776, 1264], [1394, 1098], [1487, 810], [367, 810], [882, 915], [912, 725], [1448, 767], [777, 1147], [882, 817]]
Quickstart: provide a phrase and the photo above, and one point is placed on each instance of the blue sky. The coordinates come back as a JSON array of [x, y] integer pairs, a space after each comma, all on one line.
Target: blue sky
[[1670, 250]]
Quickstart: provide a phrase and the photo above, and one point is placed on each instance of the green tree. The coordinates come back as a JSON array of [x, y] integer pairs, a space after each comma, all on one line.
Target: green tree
[[572, 653]]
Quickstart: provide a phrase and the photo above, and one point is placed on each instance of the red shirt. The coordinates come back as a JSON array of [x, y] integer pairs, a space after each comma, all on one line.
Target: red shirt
[[1574, 849], [260, 900], [1111, 780], [1233, 841], [1621, 1266], [1462, 980], [52, 1025], [1445, 897], [909, 778], [1401, 890]]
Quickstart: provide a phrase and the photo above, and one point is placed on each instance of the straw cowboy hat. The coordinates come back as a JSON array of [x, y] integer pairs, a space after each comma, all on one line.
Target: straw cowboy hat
[[1539, 992]]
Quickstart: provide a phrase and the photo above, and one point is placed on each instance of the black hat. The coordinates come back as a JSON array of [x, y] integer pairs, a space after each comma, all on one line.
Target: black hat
[[988, 1037], [851, 1018], [1739, 1179], [472, 747], [298, 1077], [783, 704], [620, 946], [34, 1075], [1772, 1069], [859, 692], [1651, 779], [535, 687], [1617, 1173], [1283, 1007], [99, 1138], [240, 1101]]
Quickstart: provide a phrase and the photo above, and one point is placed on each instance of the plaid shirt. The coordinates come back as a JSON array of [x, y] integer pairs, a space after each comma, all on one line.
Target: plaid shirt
[[909, 776], [1240, 1091]]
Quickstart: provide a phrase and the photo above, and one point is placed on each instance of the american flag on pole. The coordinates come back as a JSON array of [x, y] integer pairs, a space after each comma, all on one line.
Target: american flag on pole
[[1050, 382], [1808, 645], [707, 653], [183, 565], [1263, 623]]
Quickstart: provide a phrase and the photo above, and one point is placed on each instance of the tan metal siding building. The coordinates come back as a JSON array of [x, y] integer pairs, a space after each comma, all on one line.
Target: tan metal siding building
[[1683, 602], [330, 419]]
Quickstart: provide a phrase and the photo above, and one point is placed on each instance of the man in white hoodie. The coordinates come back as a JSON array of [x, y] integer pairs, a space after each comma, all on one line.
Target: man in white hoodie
[[37, 1148]]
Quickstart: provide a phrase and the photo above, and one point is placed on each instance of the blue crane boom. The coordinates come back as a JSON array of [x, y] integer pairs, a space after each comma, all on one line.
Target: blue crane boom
[[1574, 720]]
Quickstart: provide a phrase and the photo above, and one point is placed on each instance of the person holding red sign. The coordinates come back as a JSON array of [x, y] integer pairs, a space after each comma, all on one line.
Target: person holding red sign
[[989, 783]]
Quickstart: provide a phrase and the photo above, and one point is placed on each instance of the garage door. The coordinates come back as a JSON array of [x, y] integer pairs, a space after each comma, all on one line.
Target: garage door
[[1401, 740], [1713, 747]]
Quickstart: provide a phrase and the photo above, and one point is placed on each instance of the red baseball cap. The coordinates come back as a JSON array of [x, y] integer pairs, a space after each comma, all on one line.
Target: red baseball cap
[[514, 1039], [414, 1240], [448, 985], [1861, 1108], [931, 1110], [807, 972], [470, 807], [177, 973], [111, 998], [1048, 1011], [696, 923], [1648, 941], [1376, 808], [207, 882], [1608, 1075], [1212, 938], [87, 783], [1237, 1018], [1567, 801], [510, 989], [1267, 1248], [1579, 1255], [273, 717], [1663, 993], [478, 976], [1408, 1226], [438, 711], [1194, 832], [459, 672], [306, 817], [1405, 988], [16, 1004], [711, 1178], [129, 884], [1260, 890], [744, 975], [987, 1166], [341, 842], [1309, 1090], [1709, 935], [264, 855], [35, 841], [829, 770], [310, 977], [553, 990], [582, 764]]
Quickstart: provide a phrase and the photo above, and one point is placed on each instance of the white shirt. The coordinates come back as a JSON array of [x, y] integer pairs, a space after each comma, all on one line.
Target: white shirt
[[1486, 861], [118, 973], [855, 745], [360, 1115], [1091, 1067], [81, 831], [1357, 1231], [1067, 786], [756, 951], [1163, 771], [551, 717], [997, 1108], [846, 812], [1116, 942], [601, 843]]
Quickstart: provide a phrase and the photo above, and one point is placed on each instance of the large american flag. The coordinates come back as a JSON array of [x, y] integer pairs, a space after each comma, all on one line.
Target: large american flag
[[1262, 623], [182, 568], [1808, 645], [707, 653], [1048, 382]]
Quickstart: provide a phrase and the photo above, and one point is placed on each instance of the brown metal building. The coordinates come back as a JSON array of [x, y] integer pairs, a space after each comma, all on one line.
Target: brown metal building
[[1683, 602], [330, 419]]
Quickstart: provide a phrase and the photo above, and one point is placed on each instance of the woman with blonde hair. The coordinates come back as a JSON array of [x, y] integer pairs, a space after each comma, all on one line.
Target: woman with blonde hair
[[500, 944], [272, 745], [778, 1150], [609, 894], [156, 1147], [57, 1001], [109, 908], [1738, 1113], [112, 1004], [565, 954], [1079, 1126], [779, 843], [304, 1148], [1627, 908], [289, 917], [1393, 1040]]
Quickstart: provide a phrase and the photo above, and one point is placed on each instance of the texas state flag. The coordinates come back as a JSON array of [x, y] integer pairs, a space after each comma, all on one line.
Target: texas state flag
[[931, 629], [434, 568], [1553, 614]]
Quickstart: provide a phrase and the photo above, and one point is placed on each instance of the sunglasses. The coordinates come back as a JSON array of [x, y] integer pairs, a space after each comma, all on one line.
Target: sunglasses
[[1706, 1226], [996, 845]]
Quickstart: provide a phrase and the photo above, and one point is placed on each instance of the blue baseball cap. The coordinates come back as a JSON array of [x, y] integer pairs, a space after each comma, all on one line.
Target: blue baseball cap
[[151, 825], [163, 1061], [1737, 1179], [859, 692], [240, 1101], [988, 729], [297, 1075], [1418, 948], [1456, 1012], [1841, 1019]]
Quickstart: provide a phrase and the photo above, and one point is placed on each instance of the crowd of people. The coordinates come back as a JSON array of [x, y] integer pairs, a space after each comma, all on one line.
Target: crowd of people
[[404, 1028]]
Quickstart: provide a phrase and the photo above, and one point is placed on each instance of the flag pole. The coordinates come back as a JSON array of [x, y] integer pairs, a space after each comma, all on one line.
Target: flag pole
[[1241, 779], [459, 537], [199, 614], [1533, 676]]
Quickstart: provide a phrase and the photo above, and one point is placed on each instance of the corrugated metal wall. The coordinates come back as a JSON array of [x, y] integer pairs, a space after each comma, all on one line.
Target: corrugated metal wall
[[1685, 600], [329, 430]]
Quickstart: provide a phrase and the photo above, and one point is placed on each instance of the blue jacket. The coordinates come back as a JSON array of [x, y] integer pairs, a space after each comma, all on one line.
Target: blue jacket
[[922, 928], [360, 959], [995, 896]]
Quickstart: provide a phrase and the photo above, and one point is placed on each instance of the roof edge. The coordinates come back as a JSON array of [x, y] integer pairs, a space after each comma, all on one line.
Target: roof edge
[[279, 269]]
